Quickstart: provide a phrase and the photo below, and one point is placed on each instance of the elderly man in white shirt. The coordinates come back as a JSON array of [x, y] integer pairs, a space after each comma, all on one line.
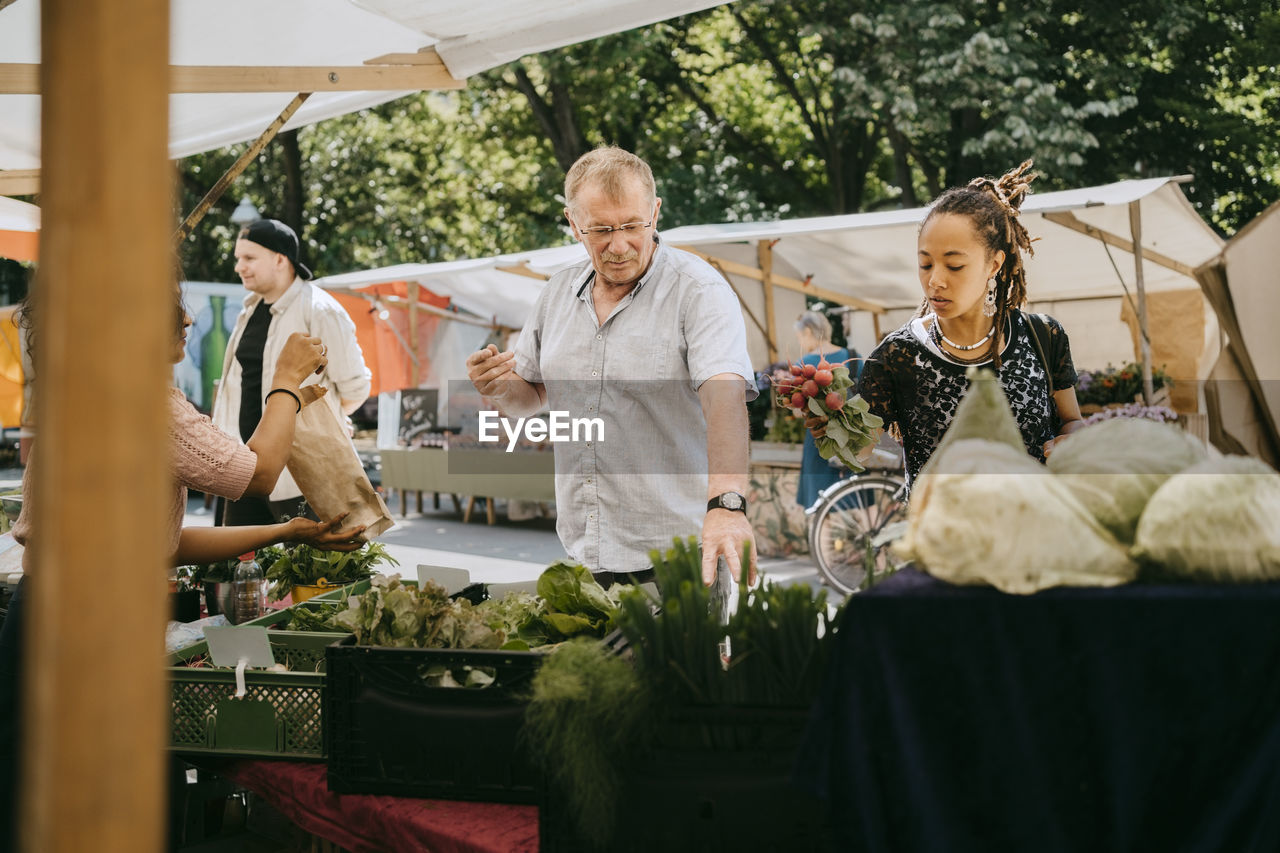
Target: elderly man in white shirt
[[650, 340], [281, 301]]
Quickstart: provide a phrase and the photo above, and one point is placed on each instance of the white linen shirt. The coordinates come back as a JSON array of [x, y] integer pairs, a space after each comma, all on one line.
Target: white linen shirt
[[303, 308], [639, 372]]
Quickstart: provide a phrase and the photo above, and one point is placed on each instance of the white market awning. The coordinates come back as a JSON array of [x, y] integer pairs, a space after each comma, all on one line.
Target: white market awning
[[1084, 255], [242, 61]]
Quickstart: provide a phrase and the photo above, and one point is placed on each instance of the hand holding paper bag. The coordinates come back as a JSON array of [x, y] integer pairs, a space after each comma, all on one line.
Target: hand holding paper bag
[[328, 471]]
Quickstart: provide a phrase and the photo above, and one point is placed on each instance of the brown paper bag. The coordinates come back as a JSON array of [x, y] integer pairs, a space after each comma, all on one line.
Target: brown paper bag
[[327, 469]]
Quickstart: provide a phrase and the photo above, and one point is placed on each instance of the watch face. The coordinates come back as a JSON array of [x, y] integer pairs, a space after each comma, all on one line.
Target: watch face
[[731, 500]]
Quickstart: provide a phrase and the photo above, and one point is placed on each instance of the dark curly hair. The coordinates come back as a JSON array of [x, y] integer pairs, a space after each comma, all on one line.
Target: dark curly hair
[[992, 206]]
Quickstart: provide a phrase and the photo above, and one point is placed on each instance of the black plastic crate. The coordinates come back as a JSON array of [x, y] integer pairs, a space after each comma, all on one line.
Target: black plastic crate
[[387, 731], [719, 780]]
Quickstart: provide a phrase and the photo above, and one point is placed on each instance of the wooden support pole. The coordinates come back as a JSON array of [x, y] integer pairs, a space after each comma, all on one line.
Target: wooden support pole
[[751, 315], [786, 282], [414, 288], [1144, 341], [20, 182], [23, 78], [764, 252], [1069, 220], [237, 168], [95, 694]]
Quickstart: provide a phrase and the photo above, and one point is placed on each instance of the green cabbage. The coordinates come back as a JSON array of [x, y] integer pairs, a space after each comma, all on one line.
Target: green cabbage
[[987, 513], [1114, 467], [1215, 521]]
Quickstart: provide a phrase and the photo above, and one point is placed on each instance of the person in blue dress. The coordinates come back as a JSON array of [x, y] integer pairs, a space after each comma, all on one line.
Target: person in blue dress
[[814, 332]]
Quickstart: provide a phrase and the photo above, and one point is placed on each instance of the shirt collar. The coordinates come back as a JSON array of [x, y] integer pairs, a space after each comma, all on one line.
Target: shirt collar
[[288, 297]]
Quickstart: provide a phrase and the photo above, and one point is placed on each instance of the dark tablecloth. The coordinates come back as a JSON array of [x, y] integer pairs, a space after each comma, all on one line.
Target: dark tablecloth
[[1128, 719], [365, 823]]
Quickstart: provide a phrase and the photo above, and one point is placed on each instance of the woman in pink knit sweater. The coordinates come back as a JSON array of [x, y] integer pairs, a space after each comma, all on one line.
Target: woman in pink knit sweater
[[209, 460], [204, 458]]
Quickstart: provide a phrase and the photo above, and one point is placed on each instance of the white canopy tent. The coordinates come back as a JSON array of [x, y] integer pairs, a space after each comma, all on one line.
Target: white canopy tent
[[1244, 391], [239, 62], [1082, 272]]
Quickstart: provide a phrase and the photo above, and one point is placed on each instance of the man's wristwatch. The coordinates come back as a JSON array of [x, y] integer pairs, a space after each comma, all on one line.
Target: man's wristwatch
[[728, 500]]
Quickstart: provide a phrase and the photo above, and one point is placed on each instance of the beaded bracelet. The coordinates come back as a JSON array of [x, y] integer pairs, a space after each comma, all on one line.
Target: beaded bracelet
[[295, 397]]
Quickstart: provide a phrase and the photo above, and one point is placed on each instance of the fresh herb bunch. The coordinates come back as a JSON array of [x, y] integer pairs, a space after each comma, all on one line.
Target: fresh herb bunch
[[320, 616], [184, 579], [592, 713], [424, 617], [223, 571], [779, 638], [822, 390], [588, 712], [303, 565]]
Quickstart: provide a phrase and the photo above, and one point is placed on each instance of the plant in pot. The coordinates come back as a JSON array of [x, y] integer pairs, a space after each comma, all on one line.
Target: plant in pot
[[305, 572], [216, 578], [184, 594]]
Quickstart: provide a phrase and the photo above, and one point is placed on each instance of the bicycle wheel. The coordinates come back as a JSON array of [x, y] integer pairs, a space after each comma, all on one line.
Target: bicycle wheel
[[846, 524]]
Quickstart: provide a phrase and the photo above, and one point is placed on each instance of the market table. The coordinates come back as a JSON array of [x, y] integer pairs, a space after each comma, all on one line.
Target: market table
[[492, 473], [1135, 718], [365, 823]]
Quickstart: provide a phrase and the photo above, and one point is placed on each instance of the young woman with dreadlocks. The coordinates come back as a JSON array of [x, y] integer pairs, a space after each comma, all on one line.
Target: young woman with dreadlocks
[[970, 259]]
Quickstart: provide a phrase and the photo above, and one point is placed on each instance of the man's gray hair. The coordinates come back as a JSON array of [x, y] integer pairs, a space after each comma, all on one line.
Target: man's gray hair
[[816, 323], [609, 168]]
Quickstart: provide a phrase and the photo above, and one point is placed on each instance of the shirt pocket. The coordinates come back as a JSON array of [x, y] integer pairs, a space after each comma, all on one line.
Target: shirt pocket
[[638, 356]]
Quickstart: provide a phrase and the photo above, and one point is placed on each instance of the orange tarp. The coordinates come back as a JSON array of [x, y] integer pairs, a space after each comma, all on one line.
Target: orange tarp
[[19, 245], [384, 339], [10, 369]]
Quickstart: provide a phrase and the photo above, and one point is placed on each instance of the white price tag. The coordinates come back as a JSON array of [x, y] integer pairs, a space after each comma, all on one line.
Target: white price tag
[[233, 643]]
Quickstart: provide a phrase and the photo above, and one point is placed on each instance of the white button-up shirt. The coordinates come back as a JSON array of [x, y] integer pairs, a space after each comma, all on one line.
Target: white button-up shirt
[[307, 308], [645, 481]]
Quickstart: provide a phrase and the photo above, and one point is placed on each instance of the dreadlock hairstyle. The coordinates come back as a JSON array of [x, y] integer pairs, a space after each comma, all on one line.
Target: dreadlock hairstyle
[[992, 206]]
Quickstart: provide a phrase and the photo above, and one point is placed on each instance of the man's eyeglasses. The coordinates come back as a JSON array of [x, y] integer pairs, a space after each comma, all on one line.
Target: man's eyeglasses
[[600, 233]]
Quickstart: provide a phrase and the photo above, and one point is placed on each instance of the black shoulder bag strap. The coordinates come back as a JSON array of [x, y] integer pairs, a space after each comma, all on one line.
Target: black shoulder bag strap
[[1040, 340]]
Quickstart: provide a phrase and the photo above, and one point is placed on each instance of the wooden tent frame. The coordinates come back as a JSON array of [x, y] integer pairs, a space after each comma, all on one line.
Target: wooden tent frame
[[95, 701]]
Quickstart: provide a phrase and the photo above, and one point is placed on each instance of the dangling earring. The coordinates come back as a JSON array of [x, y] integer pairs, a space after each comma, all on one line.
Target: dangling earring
[[989, 301]]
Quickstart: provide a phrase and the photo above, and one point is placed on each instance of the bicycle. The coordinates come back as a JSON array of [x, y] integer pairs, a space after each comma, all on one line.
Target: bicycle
[[852, 524]]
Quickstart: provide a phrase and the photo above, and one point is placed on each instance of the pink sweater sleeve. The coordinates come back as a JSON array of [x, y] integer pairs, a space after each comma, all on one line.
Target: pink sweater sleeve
[[206, 458]]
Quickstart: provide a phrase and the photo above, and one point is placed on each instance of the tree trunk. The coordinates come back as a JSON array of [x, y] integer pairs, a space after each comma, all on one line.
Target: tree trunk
[[966, 124], [557, 118], [291, 214], [902, 167]]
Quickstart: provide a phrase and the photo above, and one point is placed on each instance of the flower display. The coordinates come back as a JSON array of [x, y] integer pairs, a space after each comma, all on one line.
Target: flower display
[[1160, 414], [1116, 384]]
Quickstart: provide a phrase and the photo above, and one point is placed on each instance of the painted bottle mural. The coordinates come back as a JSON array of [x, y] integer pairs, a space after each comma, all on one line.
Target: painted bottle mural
[[212, 348]]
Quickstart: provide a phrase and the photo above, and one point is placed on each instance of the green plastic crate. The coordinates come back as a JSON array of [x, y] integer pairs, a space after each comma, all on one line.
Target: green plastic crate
[[279, 716]]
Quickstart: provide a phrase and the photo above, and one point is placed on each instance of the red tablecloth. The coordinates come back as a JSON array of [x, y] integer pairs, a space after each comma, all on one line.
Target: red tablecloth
[[366, 823]]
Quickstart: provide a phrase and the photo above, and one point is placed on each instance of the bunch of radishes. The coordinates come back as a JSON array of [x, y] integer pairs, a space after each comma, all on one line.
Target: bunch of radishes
[[821, 391]]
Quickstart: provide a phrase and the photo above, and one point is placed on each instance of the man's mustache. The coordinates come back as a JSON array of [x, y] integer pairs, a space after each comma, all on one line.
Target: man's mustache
[[610, 258]]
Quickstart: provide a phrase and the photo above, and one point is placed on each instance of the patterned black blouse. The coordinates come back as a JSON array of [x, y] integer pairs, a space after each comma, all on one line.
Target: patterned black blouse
[[906, 380]]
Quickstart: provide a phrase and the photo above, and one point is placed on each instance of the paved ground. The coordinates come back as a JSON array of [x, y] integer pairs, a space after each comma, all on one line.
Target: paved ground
[[505, 552]]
